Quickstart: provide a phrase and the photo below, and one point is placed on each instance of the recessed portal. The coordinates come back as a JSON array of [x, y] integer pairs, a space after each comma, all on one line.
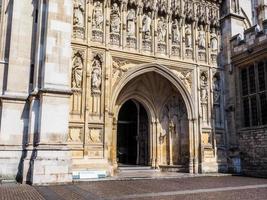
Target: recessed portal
[[132, 135]]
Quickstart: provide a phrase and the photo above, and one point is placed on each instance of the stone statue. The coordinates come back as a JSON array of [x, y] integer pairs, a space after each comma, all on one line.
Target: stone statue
[[203, 88], [78, 13], [131, 18], [162, 30], [96, 76], [98, 17], [201, 38], [176, 35], [115, 19], [147, 25], [188, 36], [77, 72]]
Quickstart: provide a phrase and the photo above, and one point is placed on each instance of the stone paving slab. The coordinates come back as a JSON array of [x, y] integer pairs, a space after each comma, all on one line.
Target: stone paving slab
[[224, 188]]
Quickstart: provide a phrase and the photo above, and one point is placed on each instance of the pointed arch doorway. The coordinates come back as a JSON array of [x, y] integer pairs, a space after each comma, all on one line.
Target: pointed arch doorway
[[132, 134]]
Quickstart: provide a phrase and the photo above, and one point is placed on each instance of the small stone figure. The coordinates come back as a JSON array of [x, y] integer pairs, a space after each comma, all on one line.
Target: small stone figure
[[188, 37], [78, 13], [131, 18], [201, 38], [98, 17], [115, 19], [147, 25], [162, 30], [96, 76], [176, 35], [77, 73], [203, 88]]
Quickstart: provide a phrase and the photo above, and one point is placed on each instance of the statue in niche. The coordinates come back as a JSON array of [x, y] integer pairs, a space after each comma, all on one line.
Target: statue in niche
[[203, 88], [96, 76], [188, 10], [162, 30], [78, 13], [216, 89], [214, 41], [201, 38], [200, 14], [176, 35], [115, 19], [131, 18], [147, 25], [98, 17], [188, 37], [77, 72]]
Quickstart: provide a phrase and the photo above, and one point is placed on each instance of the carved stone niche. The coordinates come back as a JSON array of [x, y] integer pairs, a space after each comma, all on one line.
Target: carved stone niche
[[79, 19], [98, 21], [188, 41], [77, 69], [147, 30], [115, 23], [96, 74]]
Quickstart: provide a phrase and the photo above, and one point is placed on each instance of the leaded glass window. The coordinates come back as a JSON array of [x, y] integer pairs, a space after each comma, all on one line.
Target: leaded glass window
[[254, 94]]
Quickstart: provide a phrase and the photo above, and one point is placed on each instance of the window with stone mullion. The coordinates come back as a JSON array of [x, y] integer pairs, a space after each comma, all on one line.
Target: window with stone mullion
[[254, 94]]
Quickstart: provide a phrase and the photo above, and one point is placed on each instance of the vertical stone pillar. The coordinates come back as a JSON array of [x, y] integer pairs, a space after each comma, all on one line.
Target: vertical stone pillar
[[51, 159], [15, 62]]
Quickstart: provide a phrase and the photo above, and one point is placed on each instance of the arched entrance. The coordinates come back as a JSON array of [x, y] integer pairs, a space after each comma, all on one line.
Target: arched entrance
[[132, 134], [173, 138]]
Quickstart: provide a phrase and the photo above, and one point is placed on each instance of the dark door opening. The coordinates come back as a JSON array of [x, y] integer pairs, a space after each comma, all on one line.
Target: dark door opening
[[132, 135]]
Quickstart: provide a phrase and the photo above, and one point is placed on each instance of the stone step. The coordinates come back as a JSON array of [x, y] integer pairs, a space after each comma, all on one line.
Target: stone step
[[174, 168], [134, 168]]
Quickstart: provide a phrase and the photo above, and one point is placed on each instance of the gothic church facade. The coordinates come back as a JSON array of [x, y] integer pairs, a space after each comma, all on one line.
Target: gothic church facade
[[92, 85]]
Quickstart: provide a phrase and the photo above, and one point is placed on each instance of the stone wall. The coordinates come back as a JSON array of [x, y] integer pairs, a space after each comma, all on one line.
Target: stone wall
[[253, 151]]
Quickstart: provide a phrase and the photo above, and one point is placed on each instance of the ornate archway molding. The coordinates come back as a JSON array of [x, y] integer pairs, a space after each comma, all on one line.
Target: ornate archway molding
[[181, 88]]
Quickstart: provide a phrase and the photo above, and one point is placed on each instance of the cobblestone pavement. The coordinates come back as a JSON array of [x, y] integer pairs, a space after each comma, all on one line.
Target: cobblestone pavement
[[215, 188]]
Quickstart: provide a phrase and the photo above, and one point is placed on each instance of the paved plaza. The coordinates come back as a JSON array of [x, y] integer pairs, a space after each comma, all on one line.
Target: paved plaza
[[222, 187]]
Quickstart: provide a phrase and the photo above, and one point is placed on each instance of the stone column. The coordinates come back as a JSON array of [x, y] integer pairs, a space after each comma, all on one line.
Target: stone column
[[51, 159], [15, 63]]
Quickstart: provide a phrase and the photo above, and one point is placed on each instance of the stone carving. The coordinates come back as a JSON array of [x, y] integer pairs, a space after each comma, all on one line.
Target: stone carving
[[188, 36], [204, 87], [77, 70], [201, 38], [186, 77], [188, 11], [75, 135], [200, 15], [95, 136], [78, 18], [118, 66], [176, 34], [96, 78], [98, 17], [147, 26], [115, 19], [131, 19], [162, 30]]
